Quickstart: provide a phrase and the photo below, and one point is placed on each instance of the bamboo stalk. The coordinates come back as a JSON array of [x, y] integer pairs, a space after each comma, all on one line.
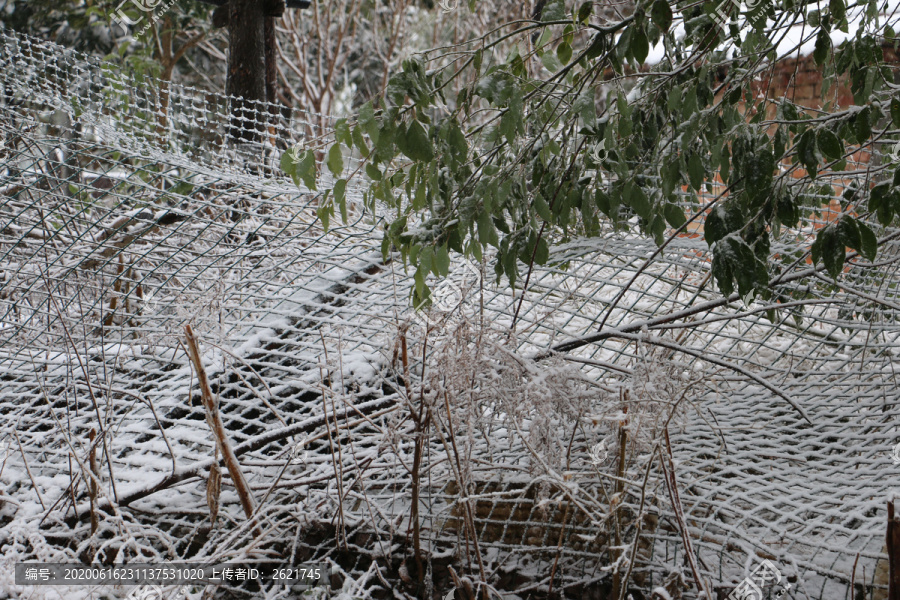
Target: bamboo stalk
[[218, 428]]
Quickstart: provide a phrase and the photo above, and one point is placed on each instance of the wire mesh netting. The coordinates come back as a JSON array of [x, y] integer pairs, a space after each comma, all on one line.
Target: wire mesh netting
[[682, 433]]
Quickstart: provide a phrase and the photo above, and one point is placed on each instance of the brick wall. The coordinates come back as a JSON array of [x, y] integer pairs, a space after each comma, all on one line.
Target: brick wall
[[800, 80]]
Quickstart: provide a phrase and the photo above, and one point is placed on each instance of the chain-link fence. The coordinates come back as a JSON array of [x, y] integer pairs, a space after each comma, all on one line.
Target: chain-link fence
[[672, 434]]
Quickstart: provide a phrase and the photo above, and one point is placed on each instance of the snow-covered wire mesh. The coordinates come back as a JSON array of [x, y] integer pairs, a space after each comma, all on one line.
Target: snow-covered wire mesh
[[125, 214]]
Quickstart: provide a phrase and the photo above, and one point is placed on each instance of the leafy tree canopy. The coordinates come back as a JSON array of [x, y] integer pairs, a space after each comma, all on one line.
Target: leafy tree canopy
[[560, 126], [77, 23]]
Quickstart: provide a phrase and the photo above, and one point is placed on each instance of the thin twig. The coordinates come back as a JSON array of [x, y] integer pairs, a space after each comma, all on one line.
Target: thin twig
[[668, 465], [336, 461], [639, 524], [92, 484], [28, 470]]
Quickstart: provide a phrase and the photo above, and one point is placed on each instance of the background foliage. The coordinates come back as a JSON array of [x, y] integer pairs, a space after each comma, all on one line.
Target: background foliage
[[561, 122]]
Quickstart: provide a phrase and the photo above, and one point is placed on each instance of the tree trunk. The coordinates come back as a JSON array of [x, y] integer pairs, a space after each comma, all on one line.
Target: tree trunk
[[246, 68]]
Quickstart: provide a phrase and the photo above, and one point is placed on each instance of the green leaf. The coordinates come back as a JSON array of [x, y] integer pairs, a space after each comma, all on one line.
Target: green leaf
[[366, 120], [342, 133], [721, 270], [306, 169], [542, 252], [779, 141], [550, 62], [823, 47], [661, 15], [360, 142], [830, 250], [722, 220], [895, 112], [674, 215], [689, 103], [673, 102], [838, 10], [426, 259], [509, 126], [324, 213], [830, 144], [373, 172], [601, 199], [340, 196], [288, 161], [856, 234], [725, 164], [564, 53], [862, 129], [546, 36], [657, 229], [597, 47], [542, 208], [813, 18], [400, 138], [695, 171], [417, 145], [509, 265], [806, 152], [833, 255], [744, 264], [623, 44], [848, 231], [640, 46], [487, 232], [586, 107], [868, 242], [459, 148], [585, 10], [636, 198], [335, 160], [420, 199], [421, 293], [787, 211], [441, 266], [385, 135], [881, 201], [734, 260]]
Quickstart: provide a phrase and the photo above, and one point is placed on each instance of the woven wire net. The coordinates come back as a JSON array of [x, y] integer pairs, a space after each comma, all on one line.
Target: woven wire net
[[125, 214]]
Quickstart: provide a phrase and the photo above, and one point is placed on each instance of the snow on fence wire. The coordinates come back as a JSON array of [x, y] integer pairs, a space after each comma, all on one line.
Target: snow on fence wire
[[414, 454]]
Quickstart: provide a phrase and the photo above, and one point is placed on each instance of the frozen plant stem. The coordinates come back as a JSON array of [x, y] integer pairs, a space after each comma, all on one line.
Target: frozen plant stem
[[336, 461], [617, 497], [92, 484], [28, 470], [893, 551], [668, 469], [218, 428], [420, 422]]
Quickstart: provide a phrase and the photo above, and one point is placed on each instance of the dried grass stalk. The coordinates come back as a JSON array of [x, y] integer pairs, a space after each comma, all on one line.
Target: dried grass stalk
[[218, 427], [93, 488], [213, 489]]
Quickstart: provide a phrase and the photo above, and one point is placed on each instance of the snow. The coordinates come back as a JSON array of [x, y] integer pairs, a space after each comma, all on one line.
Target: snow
[[661, 593], [307, 326], [795, 40]]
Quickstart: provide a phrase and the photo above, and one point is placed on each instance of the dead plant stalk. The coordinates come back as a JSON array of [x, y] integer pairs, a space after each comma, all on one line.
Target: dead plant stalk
[[218, 427], [668, 465]]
